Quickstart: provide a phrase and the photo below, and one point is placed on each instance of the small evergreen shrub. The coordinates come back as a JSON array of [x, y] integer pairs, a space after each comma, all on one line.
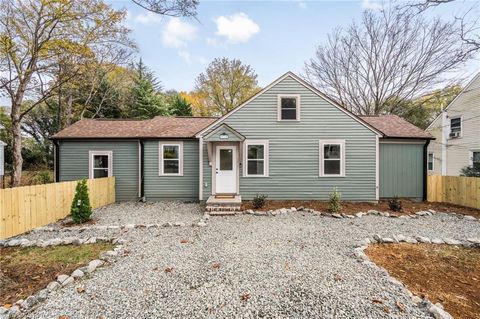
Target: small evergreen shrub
[[395, 204], [81, 209], [335, 199], [44, 177], [259, 201], [471, 171]]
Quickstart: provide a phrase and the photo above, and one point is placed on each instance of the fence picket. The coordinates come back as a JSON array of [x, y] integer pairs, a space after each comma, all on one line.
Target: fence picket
[[459, 190]]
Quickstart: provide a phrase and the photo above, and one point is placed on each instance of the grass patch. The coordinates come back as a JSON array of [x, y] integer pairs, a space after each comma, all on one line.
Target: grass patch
[[442, 273], [24, 271]]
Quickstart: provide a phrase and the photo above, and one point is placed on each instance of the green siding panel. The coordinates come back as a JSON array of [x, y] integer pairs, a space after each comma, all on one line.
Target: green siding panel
[[294, 148], [171, 187], [401, 170], [74, 164]]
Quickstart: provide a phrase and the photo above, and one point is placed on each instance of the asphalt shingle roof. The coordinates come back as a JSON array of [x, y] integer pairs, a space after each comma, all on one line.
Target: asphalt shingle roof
[[395, 126]]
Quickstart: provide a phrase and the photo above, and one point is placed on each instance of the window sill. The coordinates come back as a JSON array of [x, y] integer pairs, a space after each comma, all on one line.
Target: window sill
[[170, 175], [288, 121], [332, 176]]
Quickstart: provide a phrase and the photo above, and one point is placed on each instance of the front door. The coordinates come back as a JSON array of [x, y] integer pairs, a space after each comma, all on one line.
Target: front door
[[226, 170]]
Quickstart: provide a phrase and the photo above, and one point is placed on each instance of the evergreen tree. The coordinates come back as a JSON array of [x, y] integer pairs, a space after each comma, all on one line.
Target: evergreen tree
[[180, 107], [81, 209]]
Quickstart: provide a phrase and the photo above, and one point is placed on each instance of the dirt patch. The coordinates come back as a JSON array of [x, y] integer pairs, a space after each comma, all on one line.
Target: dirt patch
[[442, 273], [24, 271], [408, 206]]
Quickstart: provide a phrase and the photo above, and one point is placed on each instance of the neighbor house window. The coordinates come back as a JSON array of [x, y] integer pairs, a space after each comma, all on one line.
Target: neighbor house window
[[332, 157], [100, 164], [456, 127], [430, 161], [171, 158], [474, 157], [289, 107], [256, 158]]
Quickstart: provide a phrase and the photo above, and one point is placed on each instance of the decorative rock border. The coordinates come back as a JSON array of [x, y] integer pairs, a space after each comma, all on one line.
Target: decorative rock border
[[202, 222], [370, 212], [435, 309], [62, 280]]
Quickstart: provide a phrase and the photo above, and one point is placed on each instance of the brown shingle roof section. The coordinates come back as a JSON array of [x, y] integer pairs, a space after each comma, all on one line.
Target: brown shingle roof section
[[158, 127], [395, 126]]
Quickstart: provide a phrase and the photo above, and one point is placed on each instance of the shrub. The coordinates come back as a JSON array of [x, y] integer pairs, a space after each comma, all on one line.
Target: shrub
[[335, 198], [81, 209], [395, 204], [44, 177], [259, 201], [471, 171]]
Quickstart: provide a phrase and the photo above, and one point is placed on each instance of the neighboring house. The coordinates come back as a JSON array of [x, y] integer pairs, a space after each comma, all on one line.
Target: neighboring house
[[289, 141], [457, 133]]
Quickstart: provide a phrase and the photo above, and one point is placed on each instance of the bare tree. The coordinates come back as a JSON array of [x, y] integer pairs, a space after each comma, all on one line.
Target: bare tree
[[43, 45], [390, 54], [173, 8]]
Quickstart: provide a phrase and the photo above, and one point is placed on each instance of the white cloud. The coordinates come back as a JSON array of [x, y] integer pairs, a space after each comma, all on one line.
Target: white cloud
[[371, 5], [148, 18], [237, 28], [302, 4], [189, 58], [176, 33]]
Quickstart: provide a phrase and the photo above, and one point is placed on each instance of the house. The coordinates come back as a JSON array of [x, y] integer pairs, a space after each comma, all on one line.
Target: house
[[457, 133], [289, 141]]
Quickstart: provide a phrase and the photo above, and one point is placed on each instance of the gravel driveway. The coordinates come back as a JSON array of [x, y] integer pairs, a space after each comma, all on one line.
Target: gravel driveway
[[295, 265]]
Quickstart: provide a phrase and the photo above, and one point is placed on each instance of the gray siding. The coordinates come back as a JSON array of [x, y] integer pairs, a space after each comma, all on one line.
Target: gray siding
[[294, 148], [401, 170], [74, 164], [171, 187]]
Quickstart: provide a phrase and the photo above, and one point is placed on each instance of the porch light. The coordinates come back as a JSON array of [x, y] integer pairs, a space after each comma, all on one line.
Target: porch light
[[224, 136]]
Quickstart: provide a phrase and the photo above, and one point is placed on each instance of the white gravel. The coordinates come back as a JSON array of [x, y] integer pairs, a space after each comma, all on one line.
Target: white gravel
[[295, 265]]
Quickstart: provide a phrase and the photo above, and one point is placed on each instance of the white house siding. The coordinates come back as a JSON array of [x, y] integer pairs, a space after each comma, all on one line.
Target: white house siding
[[457, 150]]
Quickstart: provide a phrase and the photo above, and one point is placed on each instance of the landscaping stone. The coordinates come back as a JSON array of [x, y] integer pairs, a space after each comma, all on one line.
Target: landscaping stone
[[42, 295], [68, 281], [336, 215], [437, 241], [168, 224], [400, 238], [14, 311], [468, 217], [359, 214], [424, 240], [62, 278], [411, 240], [94, 264], [439, 313], [416, 300], [301, 208], [29, 302], [387, 240], [450, 241], [53, 285], [179, 224], [475, 240], [77, 273], [91, 240], [201, 224]]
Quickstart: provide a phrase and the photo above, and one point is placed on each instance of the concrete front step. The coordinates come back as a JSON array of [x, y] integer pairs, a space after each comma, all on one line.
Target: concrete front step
[[224, 207], [224, 213], [232, 205]]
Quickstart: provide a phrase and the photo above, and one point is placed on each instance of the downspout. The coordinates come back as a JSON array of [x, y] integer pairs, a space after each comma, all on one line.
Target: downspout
[[56, 160], [141, 170], [425, 168], [445, 131], [200, 163]]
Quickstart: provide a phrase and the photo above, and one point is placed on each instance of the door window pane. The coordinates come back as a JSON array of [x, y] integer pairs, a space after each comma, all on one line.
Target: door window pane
[[226, 160]]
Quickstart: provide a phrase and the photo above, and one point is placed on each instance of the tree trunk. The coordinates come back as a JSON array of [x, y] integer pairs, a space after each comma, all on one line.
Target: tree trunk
[[16, 146], [68, 120]]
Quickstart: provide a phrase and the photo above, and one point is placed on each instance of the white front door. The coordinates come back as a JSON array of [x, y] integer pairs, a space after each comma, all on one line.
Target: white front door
[[226, 170]]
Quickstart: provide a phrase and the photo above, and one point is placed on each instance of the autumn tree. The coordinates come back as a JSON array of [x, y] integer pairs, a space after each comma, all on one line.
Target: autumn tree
[[226, 84], [43, 45], [391, 54], [173, 8]]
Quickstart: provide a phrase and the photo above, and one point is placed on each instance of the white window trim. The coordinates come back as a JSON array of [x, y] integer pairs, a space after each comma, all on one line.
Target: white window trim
[[470, 158], [450, 125], [91, 154], [161, 145], [321, 143], [433, 161], [266, 155], [279, 106]]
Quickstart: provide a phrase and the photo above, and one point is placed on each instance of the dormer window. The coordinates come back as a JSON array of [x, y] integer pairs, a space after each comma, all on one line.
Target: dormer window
[[289, 107]]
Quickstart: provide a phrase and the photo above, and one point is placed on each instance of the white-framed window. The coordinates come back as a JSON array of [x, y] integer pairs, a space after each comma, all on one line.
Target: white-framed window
[[430, 161], [332, 158], [100, 164], [256, 158], [455, 127], [288, 107], [171, 158], [474, 157]]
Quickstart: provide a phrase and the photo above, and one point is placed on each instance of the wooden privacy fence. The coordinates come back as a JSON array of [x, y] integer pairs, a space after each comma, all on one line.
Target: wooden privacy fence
[[28, 207], [457, 190]]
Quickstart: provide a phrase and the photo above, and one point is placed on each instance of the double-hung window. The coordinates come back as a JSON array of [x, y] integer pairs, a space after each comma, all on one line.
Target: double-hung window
[[456, 127], [474, 157], [288, 107], [171, 159], [256, 158], [332, 157], [430, 161], [100, 164]]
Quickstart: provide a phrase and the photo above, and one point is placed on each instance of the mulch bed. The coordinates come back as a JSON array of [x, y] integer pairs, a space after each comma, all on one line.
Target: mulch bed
[[24, 271], [442, 273], [408, 206]]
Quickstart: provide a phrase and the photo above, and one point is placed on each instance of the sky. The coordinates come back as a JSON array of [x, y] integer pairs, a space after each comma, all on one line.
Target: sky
[[272, 36]]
